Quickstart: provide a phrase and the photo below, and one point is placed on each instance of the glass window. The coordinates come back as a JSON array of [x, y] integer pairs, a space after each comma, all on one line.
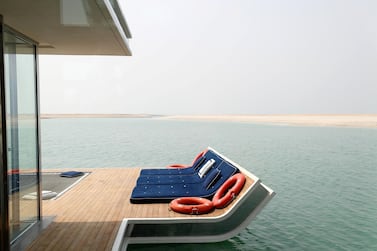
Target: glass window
[[22, 133]]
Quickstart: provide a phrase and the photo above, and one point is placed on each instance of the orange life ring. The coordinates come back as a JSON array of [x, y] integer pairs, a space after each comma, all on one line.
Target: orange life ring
[[13, 171], [229, 190], [177, 166], [191, 205], [185, 166], [199, 156]]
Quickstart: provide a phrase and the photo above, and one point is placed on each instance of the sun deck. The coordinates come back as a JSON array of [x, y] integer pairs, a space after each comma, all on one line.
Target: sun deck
[[88, 216]]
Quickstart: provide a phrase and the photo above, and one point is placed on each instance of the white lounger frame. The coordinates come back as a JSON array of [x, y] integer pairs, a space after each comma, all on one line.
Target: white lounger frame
[[243, 209]]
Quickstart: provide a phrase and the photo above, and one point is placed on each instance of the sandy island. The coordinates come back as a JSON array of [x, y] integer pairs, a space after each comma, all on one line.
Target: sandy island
[[94, 115], [367, 120], [356, 120]]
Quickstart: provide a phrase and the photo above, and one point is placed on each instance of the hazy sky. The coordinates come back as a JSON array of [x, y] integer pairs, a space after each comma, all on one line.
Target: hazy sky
[[227, 56]]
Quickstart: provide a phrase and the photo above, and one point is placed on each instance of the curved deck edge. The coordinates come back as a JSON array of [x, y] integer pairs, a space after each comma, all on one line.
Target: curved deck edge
[[187, 230], [197, 229]]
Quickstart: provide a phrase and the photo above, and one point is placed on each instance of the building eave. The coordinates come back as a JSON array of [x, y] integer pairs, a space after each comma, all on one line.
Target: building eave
[[70, 27]]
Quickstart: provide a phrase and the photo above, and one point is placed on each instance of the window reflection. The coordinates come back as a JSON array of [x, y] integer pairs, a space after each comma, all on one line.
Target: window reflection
[[21, 120]]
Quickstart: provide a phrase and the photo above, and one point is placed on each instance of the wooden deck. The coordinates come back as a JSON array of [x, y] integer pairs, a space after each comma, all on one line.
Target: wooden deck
[[88, 216]]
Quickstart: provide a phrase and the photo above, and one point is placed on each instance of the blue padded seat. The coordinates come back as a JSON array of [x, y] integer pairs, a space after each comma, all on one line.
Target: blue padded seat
[[71, 174], [206, 188], [181, 171], [175, 179]]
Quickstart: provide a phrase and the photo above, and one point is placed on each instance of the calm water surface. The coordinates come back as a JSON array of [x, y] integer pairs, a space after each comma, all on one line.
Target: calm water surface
[[325, 178]]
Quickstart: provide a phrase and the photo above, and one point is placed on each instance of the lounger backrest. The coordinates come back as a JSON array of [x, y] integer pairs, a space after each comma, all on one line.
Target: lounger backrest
[[206, 167]]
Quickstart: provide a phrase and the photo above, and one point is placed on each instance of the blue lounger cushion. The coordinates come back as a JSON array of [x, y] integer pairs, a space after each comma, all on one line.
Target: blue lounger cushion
[[181, 171], [71, 174], [183, 178], [156, 193], [175, 179], [211, 179]]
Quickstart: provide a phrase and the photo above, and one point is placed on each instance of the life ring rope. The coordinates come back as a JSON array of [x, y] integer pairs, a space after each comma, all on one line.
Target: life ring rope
[[223, 197], [191, 205], [229, 190]]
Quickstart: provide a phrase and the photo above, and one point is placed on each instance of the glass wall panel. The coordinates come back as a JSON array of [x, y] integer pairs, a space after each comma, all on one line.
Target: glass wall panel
[[22, 137]]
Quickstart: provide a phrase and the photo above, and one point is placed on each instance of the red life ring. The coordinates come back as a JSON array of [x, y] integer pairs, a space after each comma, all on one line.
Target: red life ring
[[191, 205], [229, 190], [199, 156], [177, 166], [185, 166], [13, 171]]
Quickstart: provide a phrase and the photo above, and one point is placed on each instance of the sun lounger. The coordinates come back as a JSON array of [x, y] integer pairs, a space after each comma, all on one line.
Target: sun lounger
[[180, 171], [208, 167], [210, 182]]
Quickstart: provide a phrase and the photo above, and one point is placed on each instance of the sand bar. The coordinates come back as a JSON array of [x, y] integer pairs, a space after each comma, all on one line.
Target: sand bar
[[346, 120], [365, 120], [97, 115]]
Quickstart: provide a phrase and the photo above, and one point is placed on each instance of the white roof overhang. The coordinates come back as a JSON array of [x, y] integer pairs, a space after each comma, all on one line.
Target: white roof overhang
[[70, 27]]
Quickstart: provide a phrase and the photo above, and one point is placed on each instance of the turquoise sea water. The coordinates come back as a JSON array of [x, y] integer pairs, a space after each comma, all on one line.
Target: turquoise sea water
[[325, 177]]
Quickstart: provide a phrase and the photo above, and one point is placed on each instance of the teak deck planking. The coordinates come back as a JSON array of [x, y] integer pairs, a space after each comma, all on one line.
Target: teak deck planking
[[87, 217]]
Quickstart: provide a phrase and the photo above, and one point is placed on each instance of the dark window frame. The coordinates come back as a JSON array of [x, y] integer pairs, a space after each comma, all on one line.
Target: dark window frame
[[4, 200]]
